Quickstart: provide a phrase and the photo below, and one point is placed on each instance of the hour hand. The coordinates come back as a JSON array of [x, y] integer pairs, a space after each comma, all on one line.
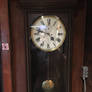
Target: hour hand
[[39, 28], [35, 28]]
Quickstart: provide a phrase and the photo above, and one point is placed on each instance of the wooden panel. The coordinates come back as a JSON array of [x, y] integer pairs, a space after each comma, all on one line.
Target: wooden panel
[[41, 2], [48, 66], [18, 48], [5, 55], [78, 47], [66, 1], [48, 3]]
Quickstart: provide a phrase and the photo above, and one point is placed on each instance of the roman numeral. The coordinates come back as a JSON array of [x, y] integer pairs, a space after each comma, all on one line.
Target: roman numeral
[[42, 44], [52, 38], [36, 33], [38, 39], [54, 23], [54, 44], [48, 21], [60, 33], [58, 39], [48, 46], [42, 22]]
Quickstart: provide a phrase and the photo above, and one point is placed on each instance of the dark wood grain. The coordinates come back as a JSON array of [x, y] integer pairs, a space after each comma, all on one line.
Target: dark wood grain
[[5, 38], [88, 46], [48, 3], [48, 66], [18, 48], [78, 47]]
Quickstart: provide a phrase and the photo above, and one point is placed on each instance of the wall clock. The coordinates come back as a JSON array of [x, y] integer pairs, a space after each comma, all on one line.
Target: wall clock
[[48, 33], [48, 52]]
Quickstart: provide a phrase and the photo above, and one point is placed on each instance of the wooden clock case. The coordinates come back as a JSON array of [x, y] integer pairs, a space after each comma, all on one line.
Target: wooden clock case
[[21, 55]]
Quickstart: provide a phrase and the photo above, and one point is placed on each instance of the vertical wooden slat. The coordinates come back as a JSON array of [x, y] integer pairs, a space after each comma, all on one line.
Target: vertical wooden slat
[[78, 47], [18, 48], [5, 55]]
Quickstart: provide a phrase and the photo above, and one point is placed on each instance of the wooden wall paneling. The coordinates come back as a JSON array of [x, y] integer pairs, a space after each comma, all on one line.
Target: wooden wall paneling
[[79, 21], [5, 38], [18, 48]]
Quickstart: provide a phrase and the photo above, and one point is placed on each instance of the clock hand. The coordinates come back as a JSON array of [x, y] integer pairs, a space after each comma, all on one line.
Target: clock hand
[[40, 29], [34, 26]]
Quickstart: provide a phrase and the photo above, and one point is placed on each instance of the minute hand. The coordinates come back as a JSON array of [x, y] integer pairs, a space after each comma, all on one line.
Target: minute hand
[[34, 27], [45, 32]]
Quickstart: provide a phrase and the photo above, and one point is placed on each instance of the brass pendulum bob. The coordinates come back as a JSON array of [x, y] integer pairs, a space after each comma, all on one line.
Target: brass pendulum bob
[[47, 85]]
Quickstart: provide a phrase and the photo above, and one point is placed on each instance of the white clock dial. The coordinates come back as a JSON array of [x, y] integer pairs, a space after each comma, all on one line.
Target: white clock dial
[[48, 33]]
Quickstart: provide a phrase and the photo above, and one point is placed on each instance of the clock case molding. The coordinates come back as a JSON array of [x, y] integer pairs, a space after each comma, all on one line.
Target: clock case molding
[[21, 48]]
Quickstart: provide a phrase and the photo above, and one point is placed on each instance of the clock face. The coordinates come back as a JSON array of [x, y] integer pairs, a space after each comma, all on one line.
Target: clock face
[[48, 33]]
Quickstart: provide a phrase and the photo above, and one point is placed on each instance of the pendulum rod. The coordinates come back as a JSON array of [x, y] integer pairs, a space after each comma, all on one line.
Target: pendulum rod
[[48, 66]]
